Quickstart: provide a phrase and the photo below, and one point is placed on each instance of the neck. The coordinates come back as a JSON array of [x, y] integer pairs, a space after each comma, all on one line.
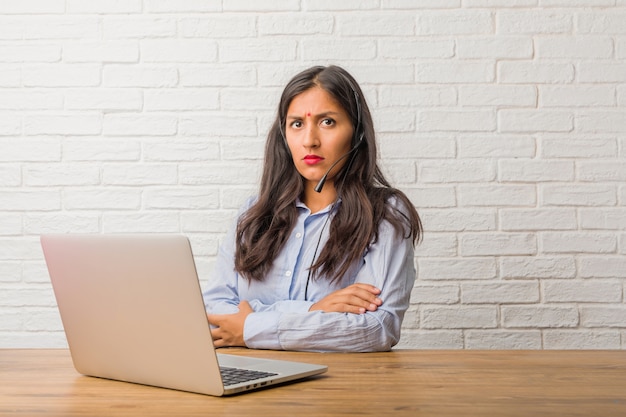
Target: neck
[[317, 201]]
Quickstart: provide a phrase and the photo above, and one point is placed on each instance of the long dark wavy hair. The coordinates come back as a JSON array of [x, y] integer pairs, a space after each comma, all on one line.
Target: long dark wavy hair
[[364, 192]]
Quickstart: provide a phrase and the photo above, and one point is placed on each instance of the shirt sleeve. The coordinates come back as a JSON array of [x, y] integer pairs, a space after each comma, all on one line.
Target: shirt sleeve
[[389, 265]]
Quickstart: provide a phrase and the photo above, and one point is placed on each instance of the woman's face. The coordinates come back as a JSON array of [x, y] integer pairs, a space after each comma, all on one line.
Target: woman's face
[[319, 132]]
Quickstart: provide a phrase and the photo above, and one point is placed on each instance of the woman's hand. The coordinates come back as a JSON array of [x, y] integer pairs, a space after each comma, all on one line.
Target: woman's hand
[[356, 298], [229, 330]]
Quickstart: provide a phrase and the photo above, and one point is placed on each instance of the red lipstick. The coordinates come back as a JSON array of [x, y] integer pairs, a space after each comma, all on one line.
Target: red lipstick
[[312, 159]]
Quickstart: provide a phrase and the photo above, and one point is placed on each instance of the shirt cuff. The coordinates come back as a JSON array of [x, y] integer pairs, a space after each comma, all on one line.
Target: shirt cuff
[[260, 330]]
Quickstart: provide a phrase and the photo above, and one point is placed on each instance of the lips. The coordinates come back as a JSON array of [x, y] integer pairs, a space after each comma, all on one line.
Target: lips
[[312, 159]]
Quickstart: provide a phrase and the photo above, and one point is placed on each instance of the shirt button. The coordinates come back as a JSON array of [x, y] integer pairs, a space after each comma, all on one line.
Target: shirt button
[[288, 273], [298, 235]]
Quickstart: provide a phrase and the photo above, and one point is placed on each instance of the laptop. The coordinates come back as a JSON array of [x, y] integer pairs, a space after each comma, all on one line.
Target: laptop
[[132, 310]]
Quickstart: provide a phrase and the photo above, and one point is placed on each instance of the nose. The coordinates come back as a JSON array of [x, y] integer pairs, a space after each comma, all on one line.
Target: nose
[[311, 136]]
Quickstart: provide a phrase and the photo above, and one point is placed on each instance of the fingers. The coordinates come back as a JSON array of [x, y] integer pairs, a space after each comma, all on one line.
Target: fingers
[[356, 299]]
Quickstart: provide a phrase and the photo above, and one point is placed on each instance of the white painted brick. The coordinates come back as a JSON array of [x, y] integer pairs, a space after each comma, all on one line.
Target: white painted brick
[[602, 171], [35, 271], [451, 120], [496, 195], [303, 24], [496, 146], [98, 149], [119, 27], [579, 147], [36, 224], [27, 99], [260, 5], [533, 22], [190, 198], [601, 121], [577, 242], [217, 26], [580, 339], [422, 4], [10, 124], [475, 170], [367, 73], [33, 340], [10, 272], [499, 3], [28, 149], [503, 340], [574, 47], [139, 124], [204, 245], [435, 294], [495, 47], [537, 219], [603, 316], [234, 197], [10, 175], [431, 339], [498, 95], [257, 50], [29, 52], [456, 268], [516, 170], [394, 120], [18, 248], [30, 200], [582, 291], [223, 75], [470, 71], [416, 49], [139, 76], [405, 95], [188, 149], [600, 21], [43, 319], [98, 6], [213, 221], [10, 224], [603, 219], [105, 51], [217, 124], [527, 72], [535, 121], [455, 23], [393, 146], [602, 267], [184, 50], [63, 124], [145, 222], [181, 99], [61, 28], [458, 317], [500, 292], [139, 174], [620, 48], [248, 99], [537, 267], [182, 6], [576, 3], [545, 316], [576, 96], [109, 198], [243, 149], [10, 77], [326, 5], [32, 7], [61, 75], [578, 195], [42, 175], [608, 72], [437, 245], [223, 173], [337, 49], [374, 24], [621, 95], [497, 244], [400, 171], [458, 220], [103, 99], [432, 196]]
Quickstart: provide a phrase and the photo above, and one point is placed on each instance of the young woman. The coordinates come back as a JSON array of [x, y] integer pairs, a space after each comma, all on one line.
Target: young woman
[[322, 258]]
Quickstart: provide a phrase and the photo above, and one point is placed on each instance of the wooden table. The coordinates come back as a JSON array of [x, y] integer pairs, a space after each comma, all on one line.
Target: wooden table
[[403, 382]]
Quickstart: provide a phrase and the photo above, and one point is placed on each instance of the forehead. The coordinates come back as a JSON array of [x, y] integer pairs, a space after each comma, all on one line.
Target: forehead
[[314, 100]]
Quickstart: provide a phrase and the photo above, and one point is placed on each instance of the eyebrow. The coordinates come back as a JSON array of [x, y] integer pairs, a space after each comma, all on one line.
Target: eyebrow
[[323, 114]]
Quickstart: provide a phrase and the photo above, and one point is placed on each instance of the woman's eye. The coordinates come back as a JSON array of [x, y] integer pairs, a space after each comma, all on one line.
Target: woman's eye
[[328, 122], [296, 124]]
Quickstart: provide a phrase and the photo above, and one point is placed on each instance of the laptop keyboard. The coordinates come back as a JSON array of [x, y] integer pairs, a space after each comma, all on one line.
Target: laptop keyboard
[[232, 376]]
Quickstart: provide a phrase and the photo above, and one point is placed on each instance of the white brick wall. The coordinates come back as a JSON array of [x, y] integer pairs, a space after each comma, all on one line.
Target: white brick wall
[[503, 120]]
